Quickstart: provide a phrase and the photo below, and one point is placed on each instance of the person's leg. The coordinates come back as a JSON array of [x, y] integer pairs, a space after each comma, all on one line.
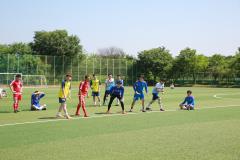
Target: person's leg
[[99, 100], [160, 104], [143, 107], [15, 103], [94, 99], [132, 105], [149, 105], [78, 106], [104, 97], [65, 111], [122, 104], [84, 106], [110, 103], [60, 109]]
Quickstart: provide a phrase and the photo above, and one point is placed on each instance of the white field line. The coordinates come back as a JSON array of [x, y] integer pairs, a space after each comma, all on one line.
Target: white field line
[[106, 115]]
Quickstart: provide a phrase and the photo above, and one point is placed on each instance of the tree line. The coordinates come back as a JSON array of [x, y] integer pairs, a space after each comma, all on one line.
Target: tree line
[[154, 63]]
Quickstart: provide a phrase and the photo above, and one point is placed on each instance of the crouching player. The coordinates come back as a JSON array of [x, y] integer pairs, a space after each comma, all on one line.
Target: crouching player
[[65, 91], [116, 92], [156, 90], [188, 103], [35, 101], [82, 93], [16, 88]]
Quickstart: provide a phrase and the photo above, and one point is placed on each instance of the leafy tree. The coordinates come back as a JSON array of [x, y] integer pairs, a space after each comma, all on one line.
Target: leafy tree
[[56, 43], [155, 63]]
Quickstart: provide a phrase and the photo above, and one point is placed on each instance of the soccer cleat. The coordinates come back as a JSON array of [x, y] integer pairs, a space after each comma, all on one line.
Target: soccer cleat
[[59, 116], [148, 109], [77, 115], [143, 110], [162, 109], [68, 117], [130, 110], [15, 111], [86, 115]]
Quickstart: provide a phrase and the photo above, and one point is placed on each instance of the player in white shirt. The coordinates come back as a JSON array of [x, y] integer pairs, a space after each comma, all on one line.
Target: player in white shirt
[[159, 88]]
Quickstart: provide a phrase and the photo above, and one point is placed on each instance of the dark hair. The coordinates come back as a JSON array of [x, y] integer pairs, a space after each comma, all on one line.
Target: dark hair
[[93, 75], [68, 75], [118, 75], [141, 76], [189, 91], [35, 91], [109, 74], [18, 75], [86, 76]]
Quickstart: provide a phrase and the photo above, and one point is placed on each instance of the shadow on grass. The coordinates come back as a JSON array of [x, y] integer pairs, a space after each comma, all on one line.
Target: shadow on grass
[[6, 111], [49, 118]]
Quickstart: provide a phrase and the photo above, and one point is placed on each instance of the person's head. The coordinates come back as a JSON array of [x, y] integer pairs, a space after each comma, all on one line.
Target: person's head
[[94, 77], [18, 77], [119, 83], [141, 78], [36, 93], [87, 77], [162, 81], [110, 76], [189, 92], [68, 77], [118, 76]]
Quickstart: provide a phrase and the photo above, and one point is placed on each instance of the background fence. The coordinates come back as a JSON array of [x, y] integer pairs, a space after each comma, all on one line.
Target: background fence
[[34, 68], [50, 70]]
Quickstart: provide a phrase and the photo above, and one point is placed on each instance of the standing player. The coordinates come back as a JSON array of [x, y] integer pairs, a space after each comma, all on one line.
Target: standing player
[[64, 93], [95, 86], [118, 79], [16, 88], [116, 92], [156, 90], [109, 83], [138, 88], [188, 103], [82, 93]]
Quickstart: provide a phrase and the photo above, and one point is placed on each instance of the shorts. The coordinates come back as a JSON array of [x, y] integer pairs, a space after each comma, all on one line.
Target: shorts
[[107, 92], [185, 104], [138, 96], [155, 96], [95, 94], [62, 100], [17, 97]]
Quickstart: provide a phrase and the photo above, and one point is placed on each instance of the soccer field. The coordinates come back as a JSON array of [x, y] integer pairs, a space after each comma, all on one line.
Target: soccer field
[[211, 132]]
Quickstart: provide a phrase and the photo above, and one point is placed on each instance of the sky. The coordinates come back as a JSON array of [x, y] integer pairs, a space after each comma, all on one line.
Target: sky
[[209, 26]]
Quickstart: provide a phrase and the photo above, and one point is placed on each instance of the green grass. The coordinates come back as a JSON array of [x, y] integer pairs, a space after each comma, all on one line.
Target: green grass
[[210, 132]]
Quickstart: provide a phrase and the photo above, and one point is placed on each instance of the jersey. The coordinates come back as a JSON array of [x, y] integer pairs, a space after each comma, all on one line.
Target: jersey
[[189, 100], [140, 86], [95, 85], [119, 80], [117, 91], [158, 88], [66, 88], [17, 86], [109, 84], [83, 88], [35, 99]]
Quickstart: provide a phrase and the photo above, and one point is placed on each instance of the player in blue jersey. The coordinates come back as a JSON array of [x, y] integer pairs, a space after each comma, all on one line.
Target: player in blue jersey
[[35, 101], [188, 103], [117, 92], [159, 88], [109, 83], [138, 88], [118, 79]]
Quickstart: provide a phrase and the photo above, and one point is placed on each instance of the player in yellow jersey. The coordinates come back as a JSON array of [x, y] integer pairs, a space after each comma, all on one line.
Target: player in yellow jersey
[[95, 86], [64, 93]]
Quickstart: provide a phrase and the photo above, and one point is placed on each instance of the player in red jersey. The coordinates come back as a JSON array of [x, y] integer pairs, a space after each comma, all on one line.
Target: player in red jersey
[[16, 88], [83, 92]]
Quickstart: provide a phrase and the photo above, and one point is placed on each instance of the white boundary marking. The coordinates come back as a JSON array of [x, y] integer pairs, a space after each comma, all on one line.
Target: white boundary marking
[[106, 115]]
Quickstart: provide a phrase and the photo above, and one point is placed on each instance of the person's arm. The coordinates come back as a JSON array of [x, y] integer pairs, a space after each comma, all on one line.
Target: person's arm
[[21, 90], [63, 86], [11, 87], [122, 92], [146, 87], [134, 86], [42, 94], [185, 100]]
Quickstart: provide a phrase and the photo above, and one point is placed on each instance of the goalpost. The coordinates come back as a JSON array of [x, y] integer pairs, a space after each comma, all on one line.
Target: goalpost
[[28, 80], [34, 80], [6, 78]]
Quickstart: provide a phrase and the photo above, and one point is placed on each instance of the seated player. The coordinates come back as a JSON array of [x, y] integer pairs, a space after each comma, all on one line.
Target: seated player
[[138, 88], [3, 93], [117, 92], [172, 86], [188, 103], [156, 90], [35, 101]]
